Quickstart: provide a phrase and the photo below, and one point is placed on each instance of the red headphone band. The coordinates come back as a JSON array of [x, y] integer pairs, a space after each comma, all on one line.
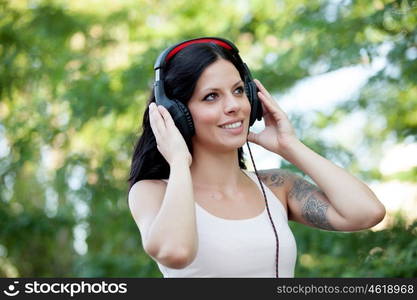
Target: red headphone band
[[197, 41]]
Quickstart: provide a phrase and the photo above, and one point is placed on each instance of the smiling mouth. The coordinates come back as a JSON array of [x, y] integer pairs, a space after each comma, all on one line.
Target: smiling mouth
[[233, 125]]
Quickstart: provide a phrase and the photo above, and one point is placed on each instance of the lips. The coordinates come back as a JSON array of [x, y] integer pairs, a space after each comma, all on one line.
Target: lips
[[232, 124]]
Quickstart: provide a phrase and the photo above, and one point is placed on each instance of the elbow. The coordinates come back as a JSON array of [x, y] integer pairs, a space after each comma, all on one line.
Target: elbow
[[374, 216], [174, 258], [178, 258], [379, 214], [366, 219]]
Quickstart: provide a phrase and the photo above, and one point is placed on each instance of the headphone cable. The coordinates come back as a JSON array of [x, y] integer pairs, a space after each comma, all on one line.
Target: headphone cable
[[269, 213]]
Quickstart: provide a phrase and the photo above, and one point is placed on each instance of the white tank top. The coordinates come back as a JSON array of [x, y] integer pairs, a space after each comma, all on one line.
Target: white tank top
[[241, 248]]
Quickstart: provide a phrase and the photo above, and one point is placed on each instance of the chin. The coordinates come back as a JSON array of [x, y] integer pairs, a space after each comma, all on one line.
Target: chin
[[221, 142], [236, 142], [235, 145]]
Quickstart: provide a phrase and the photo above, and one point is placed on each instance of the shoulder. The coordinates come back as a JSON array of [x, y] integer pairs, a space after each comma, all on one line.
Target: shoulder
[[145, 198], [291, 189], [279, 181], [276, 178], [146, 185]]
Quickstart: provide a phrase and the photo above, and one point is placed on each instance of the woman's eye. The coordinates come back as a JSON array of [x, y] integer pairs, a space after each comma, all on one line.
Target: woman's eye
[[239, 90], [210, 96]]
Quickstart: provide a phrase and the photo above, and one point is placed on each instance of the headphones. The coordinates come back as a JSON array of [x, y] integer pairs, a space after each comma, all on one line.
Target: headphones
[[179, 111]]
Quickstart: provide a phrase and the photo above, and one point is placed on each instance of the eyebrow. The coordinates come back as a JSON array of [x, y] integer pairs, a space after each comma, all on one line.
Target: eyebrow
[[216, 89]]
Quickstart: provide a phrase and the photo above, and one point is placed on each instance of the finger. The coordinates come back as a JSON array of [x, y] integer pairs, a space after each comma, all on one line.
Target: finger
[[160, 122], [262, 88], [253, 137], [152, 122], [156, 121], [169, 122], [269, 102], [268, 99], [273, 113]]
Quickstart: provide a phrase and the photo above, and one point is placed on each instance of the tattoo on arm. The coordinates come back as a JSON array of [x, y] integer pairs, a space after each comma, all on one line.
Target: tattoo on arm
[[273, 178], [277, 179], [314, 211], [313, 208], [301, 189]]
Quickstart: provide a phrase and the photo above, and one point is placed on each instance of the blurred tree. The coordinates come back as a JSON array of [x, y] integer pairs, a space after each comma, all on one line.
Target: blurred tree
[[74, 78]]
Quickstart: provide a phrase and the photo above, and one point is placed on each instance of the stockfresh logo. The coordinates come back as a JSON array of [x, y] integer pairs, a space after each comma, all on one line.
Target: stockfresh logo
[[12, 290]]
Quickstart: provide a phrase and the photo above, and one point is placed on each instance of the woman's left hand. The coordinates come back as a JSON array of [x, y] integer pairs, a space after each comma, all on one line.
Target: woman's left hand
[[278, 132]]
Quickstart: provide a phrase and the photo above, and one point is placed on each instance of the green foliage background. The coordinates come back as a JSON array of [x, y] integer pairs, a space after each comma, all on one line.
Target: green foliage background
[[74, 78]]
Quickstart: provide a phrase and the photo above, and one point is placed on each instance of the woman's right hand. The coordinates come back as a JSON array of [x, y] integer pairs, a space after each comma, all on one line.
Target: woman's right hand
[[169, 140]]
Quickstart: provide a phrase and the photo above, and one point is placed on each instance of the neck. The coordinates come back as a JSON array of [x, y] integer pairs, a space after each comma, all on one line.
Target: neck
[[216, 170]]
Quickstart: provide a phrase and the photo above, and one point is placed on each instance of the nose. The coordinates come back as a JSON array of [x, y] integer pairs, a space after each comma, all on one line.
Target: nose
[[232, 104]]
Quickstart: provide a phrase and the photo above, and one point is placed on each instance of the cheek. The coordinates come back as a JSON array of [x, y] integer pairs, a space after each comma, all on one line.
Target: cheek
[[206, 117], [247, 107]]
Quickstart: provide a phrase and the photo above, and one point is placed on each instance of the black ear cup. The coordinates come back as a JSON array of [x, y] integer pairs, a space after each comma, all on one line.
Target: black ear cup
[[182, 118], [178, 111], [256, 108]]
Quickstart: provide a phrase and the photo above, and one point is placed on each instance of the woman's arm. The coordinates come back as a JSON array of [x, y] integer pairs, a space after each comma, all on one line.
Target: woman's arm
[[166, 217], [341, 202]]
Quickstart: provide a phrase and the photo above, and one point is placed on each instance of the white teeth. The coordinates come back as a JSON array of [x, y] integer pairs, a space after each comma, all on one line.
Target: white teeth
[[233, 125]]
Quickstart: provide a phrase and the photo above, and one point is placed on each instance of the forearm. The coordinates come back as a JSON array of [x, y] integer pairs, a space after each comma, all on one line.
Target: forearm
[[350, 197], [174, 229]]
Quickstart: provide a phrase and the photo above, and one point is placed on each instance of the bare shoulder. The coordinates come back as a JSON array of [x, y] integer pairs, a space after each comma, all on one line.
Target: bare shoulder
[[145, 200], [144, 186], [279, 182], [146, 191], [276, 178], [148, 183]]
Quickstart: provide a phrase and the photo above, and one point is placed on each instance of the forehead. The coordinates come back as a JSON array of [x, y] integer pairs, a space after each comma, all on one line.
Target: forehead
[[219, 74]]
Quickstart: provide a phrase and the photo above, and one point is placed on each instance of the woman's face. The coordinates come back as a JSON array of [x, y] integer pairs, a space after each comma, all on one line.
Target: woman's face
[[220, 108]]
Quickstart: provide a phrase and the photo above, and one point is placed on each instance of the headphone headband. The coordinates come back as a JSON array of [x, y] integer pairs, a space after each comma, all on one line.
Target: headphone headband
[[167, 54]]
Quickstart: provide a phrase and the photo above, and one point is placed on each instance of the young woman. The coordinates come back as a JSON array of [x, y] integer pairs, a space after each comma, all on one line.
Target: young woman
[[199, 211]]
